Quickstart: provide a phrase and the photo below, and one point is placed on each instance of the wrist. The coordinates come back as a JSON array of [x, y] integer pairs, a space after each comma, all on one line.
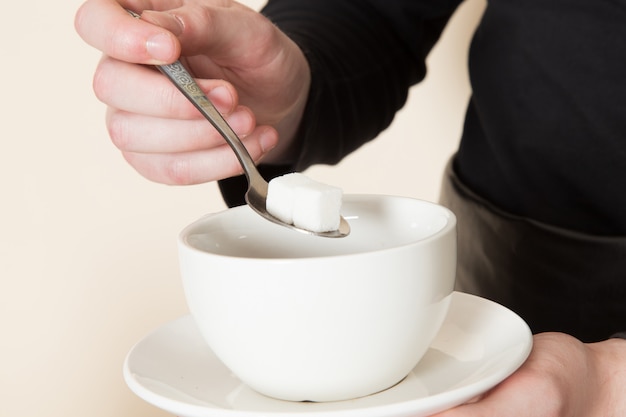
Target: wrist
[[286, 152], [619, 335]]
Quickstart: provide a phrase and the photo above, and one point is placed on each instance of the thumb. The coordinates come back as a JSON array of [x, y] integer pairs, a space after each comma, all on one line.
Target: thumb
[[466, 410], [231, 35], [105, 25]]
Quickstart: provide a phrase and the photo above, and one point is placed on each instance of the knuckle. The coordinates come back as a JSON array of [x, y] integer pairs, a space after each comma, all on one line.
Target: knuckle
[[179, 172], [100, 83], [79, 19], [169, 98], [118, 131]]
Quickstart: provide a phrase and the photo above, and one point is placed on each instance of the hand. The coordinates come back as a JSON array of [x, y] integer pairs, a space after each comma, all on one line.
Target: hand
[[255, 75], [561, 378]]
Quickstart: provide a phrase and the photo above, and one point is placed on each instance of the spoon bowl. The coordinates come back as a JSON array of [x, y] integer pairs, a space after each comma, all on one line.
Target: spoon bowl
[[256, 195]]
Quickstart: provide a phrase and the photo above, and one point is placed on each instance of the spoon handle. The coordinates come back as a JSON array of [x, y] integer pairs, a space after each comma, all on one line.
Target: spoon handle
[[181, 78]]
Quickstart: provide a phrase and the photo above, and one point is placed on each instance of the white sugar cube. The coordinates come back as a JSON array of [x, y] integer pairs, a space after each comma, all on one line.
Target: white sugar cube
[[296, 199], [280, 195], [317, 207]]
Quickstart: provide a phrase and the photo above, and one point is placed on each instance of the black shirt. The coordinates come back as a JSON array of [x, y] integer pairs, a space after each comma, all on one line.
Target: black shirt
[[545, 132]]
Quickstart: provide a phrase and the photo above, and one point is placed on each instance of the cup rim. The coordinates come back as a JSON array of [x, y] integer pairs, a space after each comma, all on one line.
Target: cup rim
[[450, 225]]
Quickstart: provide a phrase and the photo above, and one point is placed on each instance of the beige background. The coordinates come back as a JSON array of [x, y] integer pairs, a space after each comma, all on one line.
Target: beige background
[[87, 247]]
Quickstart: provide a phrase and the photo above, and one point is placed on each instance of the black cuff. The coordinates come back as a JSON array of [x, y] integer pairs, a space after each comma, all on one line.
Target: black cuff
[[618, 335]]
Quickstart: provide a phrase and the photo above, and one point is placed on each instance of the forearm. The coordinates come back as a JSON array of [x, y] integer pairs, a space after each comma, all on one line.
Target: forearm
[[363, 60], [364, 56]]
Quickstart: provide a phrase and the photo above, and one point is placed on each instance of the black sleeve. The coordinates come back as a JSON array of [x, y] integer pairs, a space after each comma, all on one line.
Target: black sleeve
[[364, 56]]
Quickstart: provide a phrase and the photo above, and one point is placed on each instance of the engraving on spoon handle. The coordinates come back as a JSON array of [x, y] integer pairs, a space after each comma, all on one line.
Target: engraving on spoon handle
[[183, 80], [188, 86]]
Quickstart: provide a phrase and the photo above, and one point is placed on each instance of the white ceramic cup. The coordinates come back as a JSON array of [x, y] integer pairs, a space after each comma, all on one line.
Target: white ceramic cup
[[299, 317]]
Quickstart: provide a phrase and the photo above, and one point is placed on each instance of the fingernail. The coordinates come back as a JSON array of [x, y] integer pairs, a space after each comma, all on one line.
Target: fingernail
[[221, 95], [240, 121], [267, 141], [160, 47], [165, 20]]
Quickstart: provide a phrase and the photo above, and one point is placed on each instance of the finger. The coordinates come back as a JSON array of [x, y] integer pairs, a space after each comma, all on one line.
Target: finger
[[105, 25], [138, 133], [210, 28], [143, 90], [524, 394], [202, 166]]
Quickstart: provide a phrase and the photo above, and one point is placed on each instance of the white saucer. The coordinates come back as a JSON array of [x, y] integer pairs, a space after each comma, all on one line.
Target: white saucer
[[479, 345]]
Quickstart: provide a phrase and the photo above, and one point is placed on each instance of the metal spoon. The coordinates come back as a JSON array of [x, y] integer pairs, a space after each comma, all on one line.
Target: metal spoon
[[256, 195]]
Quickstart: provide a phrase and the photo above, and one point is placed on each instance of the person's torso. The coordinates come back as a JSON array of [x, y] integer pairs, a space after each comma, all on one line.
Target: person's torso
[[545, 134]]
